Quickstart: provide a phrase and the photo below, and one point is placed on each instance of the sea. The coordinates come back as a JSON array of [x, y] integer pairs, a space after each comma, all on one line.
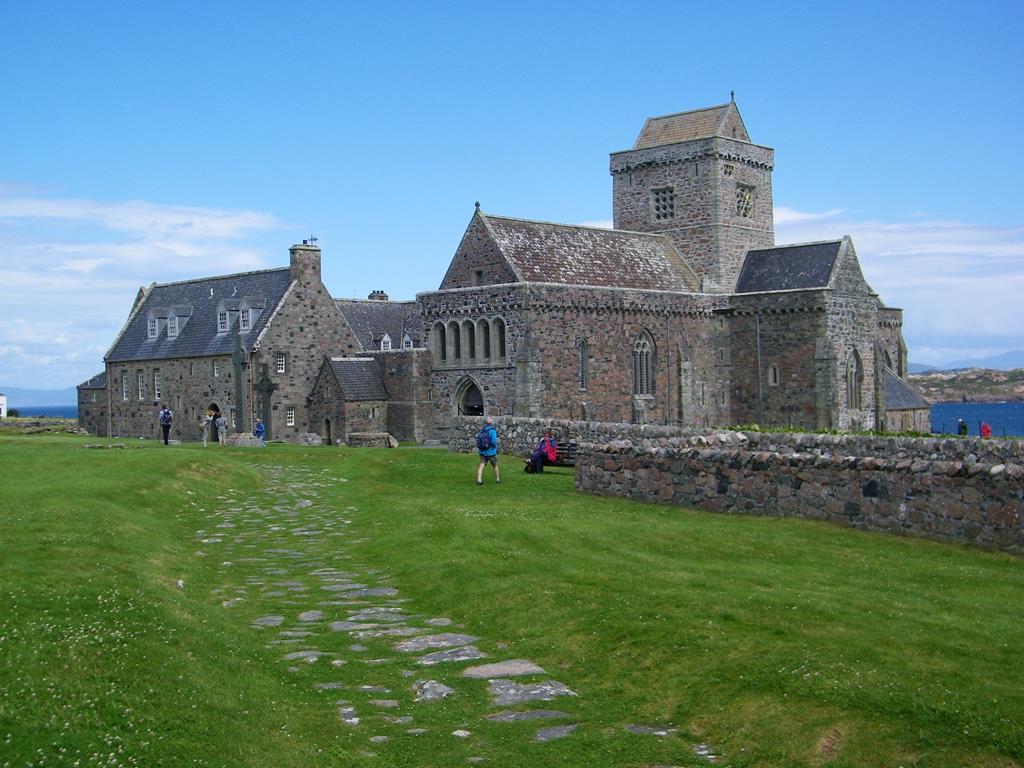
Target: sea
[[1006, 419]]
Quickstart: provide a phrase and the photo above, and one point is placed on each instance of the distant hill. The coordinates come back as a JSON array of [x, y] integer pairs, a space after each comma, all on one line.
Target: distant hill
[[920, 368], [978, 385], [27, 398], [1005, 362]]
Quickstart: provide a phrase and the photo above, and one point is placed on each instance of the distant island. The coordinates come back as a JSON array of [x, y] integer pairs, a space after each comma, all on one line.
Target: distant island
[[970, 385]]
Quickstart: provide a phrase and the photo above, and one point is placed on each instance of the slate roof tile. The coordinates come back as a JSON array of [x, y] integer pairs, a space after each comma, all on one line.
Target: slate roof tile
[[199, 301], [788, 267], [370, 320], [685, 126], [900, 396], [544, 252], [99, 381], [359, 379]]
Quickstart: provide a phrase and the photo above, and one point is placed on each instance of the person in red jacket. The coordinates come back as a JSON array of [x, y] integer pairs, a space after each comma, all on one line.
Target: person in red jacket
[[545, 453], [986, 429]]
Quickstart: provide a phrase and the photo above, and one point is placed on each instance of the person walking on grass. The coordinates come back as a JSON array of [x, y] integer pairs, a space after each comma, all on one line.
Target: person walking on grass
[[487, 447], [259, 432], [207, 427], [165, 419]]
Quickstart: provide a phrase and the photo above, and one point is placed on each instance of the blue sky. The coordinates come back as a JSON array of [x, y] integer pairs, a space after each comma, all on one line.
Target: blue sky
[[154, 143]]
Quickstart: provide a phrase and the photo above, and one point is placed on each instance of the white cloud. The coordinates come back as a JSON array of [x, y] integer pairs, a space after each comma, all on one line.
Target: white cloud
[[67, 294]]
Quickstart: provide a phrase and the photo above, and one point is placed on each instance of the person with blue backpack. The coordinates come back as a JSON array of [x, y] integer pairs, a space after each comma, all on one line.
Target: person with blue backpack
[[487, 447]]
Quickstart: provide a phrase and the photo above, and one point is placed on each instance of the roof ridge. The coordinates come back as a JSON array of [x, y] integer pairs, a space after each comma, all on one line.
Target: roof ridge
[[795, 245], [223, 277], [691, 111], [578, 226], [376, 301]]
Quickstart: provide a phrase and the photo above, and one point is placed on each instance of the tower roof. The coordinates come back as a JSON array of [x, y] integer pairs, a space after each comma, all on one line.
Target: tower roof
[[722, 120]]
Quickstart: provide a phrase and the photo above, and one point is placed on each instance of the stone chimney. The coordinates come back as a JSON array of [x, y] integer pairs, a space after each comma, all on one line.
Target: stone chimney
[[377, 296], [305, 262]]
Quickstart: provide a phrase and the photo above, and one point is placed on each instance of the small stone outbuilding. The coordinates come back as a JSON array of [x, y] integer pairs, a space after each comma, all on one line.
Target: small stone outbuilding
[[92, 405], [348, 396]]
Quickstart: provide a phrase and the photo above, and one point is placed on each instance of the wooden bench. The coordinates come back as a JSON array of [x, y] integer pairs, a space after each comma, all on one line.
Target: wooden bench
[[566, 456]]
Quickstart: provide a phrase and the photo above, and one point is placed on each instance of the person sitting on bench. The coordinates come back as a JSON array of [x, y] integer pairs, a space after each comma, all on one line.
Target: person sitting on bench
[[545, 453]]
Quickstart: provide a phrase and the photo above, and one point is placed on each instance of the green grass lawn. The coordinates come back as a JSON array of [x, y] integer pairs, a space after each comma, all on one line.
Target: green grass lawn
[[774, 642]]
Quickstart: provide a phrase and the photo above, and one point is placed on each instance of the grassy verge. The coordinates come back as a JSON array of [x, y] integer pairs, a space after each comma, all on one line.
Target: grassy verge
[[776, 642]]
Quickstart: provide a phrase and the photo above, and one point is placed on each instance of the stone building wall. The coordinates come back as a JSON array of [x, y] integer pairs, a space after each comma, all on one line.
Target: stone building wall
[[92, 411], [189, 386], [407, 378], [477, 261], [306, 327], [977, 503], [326, 408], [774, 341]]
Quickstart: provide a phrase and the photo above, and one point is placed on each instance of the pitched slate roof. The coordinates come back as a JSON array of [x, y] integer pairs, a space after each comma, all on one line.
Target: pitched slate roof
[[687, 126], [542, 252], [788, 267], [199, 301], [360, 379], [900, 396], [99, 381], [370, 320]]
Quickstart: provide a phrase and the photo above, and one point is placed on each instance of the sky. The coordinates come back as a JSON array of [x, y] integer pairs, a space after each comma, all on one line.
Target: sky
[[145, 142]]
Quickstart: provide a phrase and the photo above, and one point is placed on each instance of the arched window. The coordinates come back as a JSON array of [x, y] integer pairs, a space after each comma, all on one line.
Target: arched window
[[854, 380], [455, 339], [440, 343], [499, 333], [469, 335], [643, 365], [483, 331], [773, 375], [582, 363]]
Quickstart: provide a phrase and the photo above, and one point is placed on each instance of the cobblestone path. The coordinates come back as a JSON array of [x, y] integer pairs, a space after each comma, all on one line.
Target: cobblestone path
[[343, 627]]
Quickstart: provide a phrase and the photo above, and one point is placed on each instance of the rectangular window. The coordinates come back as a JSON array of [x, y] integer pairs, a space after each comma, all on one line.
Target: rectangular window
[[406, 343], [151, 328], [279, 363], [141, 376], [124, 385], [156, 384], [222, 322], [244, 319], [172, 327], [216, 369], [289, 416]]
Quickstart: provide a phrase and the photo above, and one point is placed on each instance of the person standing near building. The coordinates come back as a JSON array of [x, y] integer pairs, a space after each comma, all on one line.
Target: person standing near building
[[487, 447], [222, 429], [259, 432], [165, 419], [207, 427]]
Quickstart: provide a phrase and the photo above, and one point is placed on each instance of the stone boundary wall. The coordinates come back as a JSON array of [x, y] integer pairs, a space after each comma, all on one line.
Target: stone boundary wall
[[520, 435], [978, 503]]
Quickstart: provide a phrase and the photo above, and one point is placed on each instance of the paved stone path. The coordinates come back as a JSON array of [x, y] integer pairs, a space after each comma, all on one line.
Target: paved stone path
[[298, 543]]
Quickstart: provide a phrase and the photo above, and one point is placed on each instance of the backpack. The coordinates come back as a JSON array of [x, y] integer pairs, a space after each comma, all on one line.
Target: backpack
[[483, 439], [165, 417]]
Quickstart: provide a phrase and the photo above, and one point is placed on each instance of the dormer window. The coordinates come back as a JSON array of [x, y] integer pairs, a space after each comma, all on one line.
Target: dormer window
[[222, 322], [172, 327], [245, 319], [151, 328], [406, 342], [385, 343]]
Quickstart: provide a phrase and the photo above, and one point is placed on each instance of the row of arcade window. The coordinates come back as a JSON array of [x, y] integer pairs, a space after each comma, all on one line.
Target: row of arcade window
[[470, 342]]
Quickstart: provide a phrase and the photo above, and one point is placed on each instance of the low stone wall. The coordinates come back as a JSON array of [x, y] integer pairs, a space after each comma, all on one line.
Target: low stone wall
[[371, 440], [520, 435], [976, 502]]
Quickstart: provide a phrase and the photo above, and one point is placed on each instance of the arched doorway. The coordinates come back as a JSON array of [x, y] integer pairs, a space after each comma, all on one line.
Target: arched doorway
[[214, 410], [470, 400]]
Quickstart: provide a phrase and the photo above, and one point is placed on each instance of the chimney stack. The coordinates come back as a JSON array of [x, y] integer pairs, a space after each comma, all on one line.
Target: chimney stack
[[377, 296], [305, 262]]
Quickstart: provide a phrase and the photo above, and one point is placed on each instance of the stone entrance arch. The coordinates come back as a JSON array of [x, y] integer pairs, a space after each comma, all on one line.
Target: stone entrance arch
[[469, 399]]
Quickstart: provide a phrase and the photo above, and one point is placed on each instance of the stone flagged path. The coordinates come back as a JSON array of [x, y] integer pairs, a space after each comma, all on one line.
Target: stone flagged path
[[312, 592]]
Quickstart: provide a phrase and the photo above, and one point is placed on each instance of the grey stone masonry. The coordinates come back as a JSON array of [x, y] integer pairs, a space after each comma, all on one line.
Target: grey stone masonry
[[977, 499]]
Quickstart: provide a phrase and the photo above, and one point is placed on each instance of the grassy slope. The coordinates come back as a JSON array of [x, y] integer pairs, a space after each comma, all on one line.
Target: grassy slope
[[778, 642]]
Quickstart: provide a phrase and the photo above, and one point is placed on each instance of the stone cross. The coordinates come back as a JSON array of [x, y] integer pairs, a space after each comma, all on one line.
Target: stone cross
[[241, 362], [264, 389]]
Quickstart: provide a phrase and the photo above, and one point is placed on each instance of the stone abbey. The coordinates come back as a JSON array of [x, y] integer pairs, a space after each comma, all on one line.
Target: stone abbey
[[686, 313]]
